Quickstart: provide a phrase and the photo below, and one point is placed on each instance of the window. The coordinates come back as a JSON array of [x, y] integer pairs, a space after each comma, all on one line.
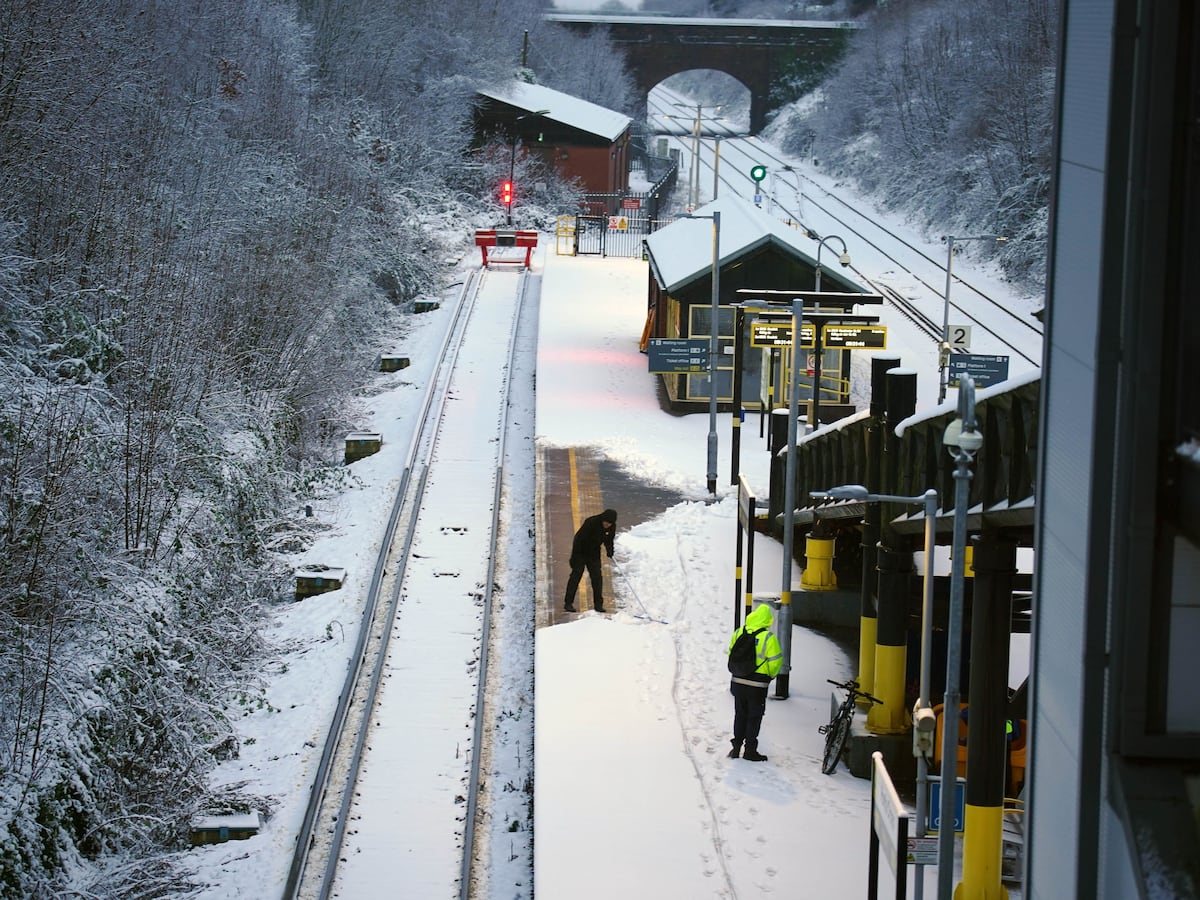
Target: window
[[700, 325]]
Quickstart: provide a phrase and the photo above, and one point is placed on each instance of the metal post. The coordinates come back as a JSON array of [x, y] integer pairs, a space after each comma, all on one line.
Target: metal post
[[968, 442], [944, 349], [512, 157], [713, 353], [818, 350], [735, 431], [930, 500], [789, 508], [716, 162], [512, 168], [931, 504], [694, 181]]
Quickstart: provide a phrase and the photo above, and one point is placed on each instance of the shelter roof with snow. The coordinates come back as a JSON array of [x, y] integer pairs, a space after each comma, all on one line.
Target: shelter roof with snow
[[580, 140], [681, 254], [557, 107], [756, 251]]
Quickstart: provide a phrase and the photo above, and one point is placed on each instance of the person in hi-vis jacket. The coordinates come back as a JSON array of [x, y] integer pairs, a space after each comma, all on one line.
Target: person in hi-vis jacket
[[750, 692]]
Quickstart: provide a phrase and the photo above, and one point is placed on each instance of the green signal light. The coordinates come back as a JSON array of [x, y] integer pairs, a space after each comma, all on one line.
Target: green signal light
[[758, 173]]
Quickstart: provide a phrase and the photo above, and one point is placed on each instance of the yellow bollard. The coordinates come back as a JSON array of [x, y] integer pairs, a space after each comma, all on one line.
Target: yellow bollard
[[818, 574], [890, 717], [867, 627], [982, 854]]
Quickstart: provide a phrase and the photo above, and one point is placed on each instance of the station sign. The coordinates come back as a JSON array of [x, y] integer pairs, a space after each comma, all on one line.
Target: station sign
[[959, 338], [935, 806], [678, 356], [986, 370], [855, 337], [767, 333]]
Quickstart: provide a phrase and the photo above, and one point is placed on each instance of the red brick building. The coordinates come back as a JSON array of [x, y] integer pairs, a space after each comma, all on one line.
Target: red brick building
[[579, 139]]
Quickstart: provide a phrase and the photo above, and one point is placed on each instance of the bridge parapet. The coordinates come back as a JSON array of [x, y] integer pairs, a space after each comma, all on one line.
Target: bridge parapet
[[763, 54]]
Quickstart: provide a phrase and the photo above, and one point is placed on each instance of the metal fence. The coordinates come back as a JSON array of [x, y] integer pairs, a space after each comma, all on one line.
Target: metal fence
[[616, 235]]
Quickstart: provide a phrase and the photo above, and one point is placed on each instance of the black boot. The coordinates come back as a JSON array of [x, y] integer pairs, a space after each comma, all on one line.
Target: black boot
[[737, 749], [752, 753]]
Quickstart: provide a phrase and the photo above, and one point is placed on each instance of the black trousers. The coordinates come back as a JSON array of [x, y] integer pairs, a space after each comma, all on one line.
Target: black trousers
[[597, 575], [749, 705]]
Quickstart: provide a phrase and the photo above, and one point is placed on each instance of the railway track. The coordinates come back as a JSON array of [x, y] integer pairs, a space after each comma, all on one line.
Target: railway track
[[1016, 330], [396, 796]]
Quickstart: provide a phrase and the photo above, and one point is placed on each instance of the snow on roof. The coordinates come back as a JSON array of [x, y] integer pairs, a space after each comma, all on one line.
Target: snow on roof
[[682, 252], [562, 108], [699, 21]]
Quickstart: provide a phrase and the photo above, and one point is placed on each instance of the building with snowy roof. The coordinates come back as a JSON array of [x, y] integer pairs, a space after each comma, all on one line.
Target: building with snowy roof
[[757, 251], [578, 139]]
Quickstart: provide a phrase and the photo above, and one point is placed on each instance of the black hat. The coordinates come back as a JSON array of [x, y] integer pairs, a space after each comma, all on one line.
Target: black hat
[[609, 515]]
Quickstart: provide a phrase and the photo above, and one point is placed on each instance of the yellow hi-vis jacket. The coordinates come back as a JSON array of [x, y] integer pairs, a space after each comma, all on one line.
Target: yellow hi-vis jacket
[[770, 654]]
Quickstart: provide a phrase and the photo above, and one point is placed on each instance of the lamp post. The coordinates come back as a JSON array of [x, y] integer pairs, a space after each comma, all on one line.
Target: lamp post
[[963, 440], [845, 301], [754, 306], [923, 715], [512, 157], [818, 351], [714, 348], [944, 350], [694, 175]]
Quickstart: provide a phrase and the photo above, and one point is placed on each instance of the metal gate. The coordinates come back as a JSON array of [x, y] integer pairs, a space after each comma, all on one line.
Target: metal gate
[[616, 235]]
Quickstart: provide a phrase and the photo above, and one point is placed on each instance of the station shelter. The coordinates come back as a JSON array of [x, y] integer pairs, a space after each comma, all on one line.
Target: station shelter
[[756, 251], [578, 139]]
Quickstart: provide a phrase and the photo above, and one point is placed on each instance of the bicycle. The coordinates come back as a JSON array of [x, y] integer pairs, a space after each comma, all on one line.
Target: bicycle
[[838, 729]]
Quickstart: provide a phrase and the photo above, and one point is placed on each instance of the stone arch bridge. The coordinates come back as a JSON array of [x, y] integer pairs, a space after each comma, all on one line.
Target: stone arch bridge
[[757, 52]]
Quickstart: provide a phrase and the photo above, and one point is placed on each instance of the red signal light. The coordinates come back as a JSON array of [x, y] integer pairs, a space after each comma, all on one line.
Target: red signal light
[[506, 193]]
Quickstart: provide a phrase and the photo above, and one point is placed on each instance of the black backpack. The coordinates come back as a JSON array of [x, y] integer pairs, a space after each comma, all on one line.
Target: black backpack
[[743, 655]]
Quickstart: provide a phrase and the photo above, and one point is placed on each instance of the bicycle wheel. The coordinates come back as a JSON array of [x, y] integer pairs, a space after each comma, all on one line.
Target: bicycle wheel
[[835, 742]]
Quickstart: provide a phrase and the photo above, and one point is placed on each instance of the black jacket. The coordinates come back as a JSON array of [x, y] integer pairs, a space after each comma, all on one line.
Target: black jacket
[[592, 535]]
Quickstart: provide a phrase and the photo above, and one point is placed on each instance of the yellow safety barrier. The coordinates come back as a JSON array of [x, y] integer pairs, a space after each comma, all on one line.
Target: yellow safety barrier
[[564, 236], [818, 574]]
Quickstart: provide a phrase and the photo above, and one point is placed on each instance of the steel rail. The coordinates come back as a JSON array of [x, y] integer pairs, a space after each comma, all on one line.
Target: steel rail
[[906, 307], [465, 879], [348, 711]]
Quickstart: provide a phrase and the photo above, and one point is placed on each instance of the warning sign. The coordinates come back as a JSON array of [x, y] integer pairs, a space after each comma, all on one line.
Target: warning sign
[[618, 223]]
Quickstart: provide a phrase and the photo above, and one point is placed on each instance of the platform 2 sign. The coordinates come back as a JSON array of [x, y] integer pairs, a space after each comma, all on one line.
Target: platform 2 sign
[[986, 370], [676, 356]]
